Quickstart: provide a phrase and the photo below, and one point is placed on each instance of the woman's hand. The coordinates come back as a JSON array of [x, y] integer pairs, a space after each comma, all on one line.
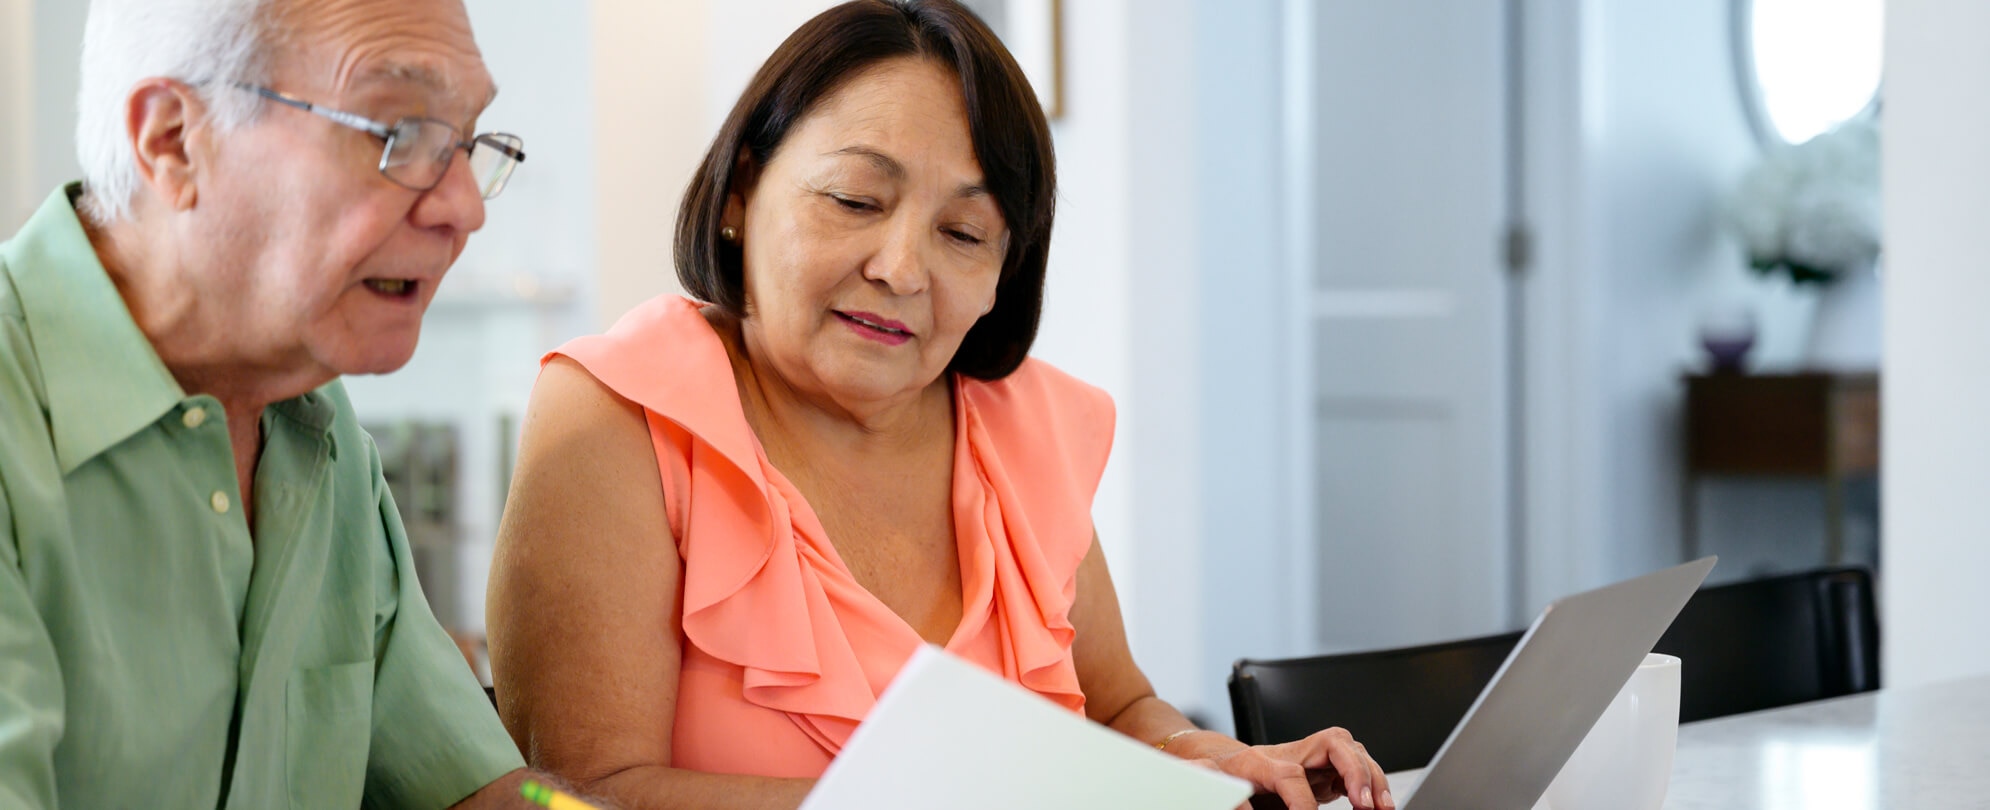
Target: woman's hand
[[1302, 773], [1307, 773]]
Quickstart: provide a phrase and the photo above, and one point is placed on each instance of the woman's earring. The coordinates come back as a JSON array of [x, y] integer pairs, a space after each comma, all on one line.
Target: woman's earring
[[729, 233]]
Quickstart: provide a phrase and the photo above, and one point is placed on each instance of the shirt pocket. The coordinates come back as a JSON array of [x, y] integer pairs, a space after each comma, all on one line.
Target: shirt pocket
[[330, 725]]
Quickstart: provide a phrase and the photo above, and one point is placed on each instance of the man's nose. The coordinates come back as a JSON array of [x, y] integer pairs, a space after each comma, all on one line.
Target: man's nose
[[456, 202]]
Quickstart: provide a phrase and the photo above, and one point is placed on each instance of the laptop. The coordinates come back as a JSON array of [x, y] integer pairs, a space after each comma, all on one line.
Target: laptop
[[948, 734], [1554, 685]]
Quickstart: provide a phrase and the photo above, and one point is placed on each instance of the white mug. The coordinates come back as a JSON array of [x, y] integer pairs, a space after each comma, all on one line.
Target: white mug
[[1626, 761]]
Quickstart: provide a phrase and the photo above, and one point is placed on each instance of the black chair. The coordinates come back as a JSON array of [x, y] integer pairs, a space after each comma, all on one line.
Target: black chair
[[1773, 642], [1401, 703]]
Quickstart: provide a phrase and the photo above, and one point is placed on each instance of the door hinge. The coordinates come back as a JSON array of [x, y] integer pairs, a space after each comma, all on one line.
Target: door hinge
[[1519, 249]]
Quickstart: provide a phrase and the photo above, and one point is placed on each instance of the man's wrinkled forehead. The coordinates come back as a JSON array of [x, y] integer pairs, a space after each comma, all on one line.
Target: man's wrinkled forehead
[[423, 46]]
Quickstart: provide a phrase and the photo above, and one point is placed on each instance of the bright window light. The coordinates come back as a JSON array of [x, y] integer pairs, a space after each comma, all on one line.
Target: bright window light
[[1818, 61]]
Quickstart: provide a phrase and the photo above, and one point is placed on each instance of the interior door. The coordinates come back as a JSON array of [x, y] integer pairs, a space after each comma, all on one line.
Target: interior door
[[1409, 317]]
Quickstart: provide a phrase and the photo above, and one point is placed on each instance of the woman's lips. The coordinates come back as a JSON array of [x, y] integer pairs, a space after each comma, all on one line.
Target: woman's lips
[[880, 329]]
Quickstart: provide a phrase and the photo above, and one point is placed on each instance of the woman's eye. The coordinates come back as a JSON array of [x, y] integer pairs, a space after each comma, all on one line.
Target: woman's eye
[[963, 237], [852, 203]]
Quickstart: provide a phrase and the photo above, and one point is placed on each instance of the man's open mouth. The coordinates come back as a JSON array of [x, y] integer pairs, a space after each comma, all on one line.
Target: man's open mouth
[[393, 287]]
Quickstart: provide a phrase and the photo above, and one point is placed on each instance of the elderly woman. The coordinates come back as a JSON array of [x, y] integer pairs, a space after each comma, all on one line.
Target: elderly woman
[[733, 521]]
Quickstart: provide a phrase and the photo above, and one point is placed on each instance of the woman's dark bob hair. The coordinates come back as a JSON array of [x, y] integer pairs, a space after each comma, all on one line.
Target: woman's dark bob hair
[[1011, 140]]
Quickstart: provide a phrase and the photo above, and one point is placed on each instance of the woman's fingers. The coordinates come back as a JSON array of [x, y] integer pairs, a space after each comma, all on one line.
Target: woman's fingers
[[1271, 774], [1267, 775], [1327, 785], [1352, 762], [1354, 773], [1296, 791], [1314, 770], [1384, 800], [1288, 780]]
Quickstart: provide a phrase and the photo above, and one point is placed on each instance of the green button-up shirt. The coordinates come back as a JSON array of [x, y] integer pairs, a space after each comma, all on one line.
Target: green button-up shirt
[[156, 653]]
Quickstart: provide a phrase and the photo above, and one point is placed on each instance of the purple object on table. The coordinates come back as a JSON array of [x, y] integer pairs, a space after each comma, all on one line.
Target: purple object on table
[[1728, 353]]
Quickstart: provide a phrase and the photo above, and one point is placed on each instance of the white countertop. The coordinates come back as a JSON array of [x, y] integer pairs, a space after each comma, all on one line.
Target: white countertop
[[1927, 746]]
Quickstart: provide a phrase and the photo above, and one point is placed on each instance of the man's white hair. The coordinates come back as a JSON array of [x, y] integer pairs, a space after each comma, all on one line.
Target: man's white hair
[[209, 45]]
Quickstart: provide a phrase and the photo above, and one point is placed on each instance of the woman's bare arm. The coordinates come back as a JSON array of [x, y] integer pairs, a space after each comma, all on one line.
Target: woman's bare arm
[[1117, 693], [584, 608], [1304, 773]]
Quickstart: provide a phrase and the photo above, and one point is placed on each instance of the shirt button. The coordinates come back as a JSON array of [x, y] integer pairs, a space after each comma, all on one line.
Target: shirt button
[[194, 417], [219, 501]]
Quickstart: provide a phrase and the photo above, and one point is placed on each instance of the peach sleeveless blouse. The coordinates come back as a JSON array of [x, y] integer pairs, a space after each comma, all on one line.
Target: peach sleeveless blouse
[[784, 653]]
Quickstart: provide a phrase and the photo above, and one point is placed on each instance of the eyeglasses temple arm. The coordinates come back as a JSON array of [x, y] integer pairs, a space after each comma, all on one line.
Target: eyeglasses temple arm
[[340, 117]]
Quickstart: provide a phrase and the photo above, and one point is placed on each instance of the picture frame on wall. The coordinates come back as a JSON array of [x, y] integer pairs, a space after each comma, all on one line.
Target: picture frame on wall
[[1033, 30]]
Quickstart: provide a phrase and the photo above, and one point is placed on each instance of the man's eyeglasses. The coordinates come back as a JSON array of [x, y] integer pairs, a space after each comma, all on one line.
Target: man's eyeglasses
[[419, 150]]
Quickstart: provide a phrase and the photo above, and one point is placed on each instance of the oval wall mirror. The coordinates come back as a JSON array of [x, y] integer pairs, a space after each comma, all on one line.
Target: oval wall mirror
[[1808, 65]]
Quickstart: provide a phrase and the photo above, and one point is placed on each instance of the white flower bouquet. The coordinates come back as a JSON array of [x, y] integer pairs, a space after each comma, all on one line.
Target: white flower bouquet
[[1812, 211]]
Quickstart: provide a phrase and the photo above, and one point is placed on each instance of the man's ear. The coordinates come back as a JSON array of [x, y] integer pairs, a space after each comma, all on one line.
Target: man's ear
[[161, 116]]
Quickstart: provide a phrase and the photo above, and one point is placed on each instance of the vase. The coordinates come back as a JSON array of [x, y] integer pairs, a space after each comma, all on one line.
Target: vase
[[1845, 332], [1727, 333]]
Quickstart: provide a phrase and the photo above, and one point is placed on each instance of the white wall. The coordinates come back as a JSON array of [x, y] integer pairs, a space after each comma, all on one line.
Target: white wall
[[542, 230], [39, 47], [58, 49], [649, 67], [1664, 138], [1161, 435], [1669, 136], [1562, 417], [16, 114], [1937, 388], [1244, 536]]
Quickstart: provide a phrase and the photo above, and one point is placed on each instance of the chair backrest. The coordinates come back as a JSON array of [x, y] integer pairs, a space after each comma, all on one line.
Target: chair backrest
[[1401, 703], [1777, 641]]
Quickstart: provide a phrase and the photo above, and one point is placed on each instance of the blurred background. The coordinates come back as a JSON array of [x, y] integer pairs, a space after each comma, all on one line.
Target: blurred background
[[1418, 314]]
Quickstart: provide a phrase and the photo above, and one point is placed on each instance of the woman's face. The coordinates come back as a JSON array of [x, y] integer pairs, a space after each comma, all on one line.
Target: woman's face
[[870, 244]]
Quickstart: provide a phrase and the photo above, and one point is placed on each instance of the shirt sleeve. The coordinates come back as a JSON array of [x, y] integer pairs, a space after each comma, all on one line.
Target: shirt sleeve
[[31, 699], [436, 739]]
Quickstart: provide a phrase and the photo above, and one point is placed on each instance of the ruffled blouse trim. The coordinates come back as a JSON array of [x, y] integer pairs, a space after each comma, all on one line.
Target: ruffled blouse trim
[[763, 587]]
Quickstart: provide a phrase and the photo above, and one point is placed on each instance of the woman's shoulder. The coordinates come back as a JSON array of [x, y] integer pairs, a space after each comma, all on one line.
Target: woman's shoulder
[[1037, 391], [667, 359], [1043, 419], [662, 355], [669, 329]]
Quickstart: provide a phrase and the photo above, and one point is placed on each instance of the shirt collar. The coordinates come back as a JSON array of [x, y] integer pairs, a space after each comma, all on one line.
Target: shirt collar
[[315, 410], [104, 380]]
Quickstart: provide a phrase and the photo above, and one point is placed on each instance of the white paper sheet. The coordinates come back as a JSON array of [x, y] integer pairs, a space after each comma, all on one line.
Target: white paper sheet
[[948, 734]]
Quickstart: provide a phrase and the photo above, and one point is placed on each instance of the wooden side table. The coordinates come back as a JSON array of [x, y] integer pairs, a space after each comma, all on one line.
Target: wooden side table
[[1808, 425]]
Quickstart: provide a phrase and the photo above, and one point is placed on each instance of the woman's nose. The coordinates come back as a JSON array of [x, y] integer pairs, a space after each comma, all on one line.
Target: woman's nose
[[900, 262]]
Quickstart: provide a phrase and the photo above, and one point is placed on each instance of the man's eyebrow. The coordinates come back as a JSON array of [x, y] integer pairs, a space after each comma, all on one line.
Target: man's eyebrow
[[410, 73], [896, 171], [419, 74]]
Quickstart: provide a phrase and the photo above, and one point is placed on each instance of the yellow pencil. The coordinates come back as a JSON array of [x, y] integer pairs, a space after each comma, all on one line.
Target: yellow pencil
[[551, 799]]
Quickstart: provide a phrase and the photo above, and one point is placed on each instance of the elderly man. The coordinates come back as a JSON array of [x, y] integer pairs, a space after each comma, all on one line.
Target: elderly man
[[206, 598]]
